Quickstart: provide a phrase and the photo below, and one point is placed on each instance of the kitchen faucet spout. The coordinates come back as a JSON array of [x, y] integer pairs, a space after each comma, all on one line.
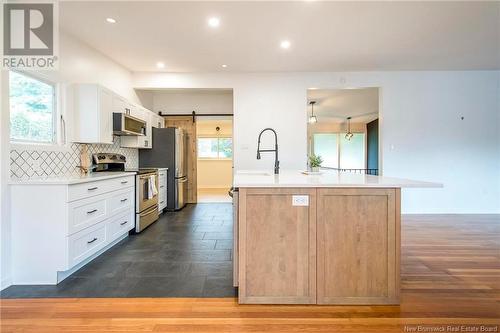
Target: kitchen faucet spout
[[275, 150]]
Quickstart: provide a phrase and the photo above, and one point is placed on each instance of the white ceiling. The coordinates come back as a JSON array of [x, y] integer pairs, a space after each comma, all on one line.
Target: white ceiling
[[335, 105], [324, 36]]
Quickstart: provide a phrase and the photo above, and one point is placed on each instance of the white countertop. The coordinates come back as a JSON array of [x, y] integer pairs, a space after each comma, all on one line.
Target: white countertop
[[67, 180], [328, 178]]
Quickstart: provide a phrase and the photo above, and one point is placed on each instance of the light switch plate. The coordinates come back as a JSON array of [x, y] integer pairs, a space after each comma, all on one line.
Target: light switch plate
[[300, 200]]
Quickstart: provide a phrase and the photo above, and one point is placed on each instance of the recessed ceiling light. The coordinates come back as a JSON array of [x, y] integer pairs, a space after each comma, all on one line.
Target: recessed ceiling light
[[224, 66], [110, 20], [214, 22], [160, 64], [285, 44]]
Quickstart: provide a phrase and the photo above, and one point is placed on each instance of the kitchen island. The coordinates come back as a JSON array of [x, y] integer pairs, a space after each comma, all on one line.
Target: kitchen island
[[332, 238]]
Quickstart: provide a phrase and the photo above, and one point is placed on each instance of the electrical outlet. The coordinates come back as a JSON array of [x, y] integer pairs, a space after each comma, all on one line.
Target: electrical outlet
[[300, 200]]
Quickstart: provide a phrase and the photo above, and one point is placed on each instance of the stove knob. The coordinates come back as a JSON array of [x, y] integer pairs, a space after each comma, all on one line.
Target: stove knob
[[113, 157], [122, 158], [100, 157]]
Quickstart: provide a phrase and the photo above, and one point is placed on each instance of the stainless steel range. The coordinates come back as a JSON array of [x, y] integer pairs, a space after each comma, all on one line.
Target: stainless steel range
[[146, 187], [146, 198]]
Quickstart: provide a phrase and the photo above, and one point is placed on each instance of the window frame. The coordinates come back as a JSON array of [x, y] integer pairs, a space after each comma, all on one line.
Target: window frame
[[218, 151], [59, 143]]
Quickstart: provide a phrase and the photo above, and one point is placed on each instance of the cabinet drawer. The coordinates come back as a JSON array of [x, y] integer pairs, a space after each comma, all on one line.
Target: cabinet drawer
[[119, 225], [85, 243], [86, 212], [162, 202], [85, 190], [120, 201]]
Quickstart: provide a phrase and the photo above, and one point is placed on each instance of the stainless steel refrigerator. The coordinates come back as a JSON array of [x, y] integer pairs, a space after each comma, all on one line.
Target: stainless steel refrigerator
[[169, 151]]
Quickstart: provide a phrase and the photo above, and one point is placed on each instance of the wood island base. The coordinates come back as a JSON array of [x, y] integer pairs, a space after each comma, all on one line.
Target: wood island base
[[318, 245]]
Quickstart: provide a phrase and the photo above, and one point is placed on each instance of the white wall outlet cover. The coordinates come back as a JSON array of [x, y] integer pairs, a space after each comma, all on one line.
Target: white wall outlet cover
[[300, 200]]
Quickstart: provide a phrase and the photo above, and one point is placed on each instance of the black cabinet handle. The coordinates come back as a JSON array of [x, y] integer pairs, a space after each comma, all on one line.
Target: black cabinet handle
[[91, 241], [123, 200], [92, 188], [162, 186], [125, 222], [162, 202], [92, 211], [125, 182]]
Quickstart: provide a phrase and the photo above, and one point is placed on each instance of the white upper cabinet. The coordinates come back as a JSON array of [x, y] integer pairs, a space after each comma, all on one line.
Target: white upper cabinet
[[93, 121]]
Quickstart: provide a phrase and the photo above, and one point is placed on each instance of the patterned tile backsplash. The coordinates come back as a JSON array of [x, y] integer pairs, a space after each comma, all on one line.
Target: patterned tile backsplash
[[63, 163]]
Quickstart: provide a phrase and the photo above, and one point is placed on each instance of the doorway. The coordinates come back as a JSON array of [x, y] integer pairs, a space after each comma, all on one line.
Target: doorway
[[343, 129], [215, 159]]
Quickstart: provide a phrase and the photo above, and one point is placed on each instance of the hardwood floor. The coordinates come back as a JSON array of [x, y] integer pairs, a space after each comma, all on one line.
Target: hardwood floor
[[450, 276]]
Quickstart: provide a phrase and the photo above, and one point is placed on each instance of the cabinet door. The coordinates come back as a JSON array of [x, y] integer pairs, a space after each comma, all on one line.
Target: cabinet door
[[358, 246], [277, 246], [106, 116]]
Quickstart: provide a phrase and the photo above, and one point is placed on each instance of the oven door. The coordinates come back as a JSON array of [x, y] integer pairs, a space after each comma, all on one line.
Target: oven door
[[144, 199]]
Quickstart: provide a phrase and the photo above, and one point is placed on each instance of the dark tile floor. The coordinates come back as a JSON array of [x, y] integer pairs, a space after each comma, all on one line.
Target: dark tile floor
[[184, 254]]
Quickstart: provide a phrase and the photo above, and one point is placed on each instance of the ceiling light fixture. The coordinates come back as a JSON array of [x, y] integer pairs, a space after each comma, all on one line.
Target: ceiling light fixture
[[160, 64], [349, 134], [285, 44], [110, 20], [224, 66], [214, 22], [312, 119]]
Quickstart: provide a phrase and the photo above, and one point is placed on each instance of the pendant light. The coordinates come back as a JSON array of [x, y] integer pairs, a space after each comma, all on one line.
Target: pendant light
[[349, 134], [312, 118]]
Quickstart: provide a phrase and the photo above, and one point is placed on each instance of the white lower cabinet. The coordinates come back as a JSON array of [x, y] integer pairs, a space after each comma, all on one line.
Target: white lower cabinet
[[162, 189], [119, 225], [62, 225], [85, 243]]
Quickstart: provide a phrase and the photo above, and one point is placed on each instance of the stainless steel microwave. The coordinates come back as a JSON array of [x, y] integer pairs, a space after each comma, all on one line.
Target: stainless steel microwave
[[125, 124]]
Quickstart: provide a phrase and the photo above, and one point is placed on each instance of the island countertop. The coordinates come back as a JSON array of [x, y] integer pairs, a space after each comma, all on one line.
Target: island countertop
[[327, 178]]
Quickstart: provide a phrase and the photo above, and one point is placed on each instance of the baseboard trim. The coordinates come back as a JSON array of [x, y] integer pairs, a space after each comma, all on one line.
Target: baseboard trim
[[5, 283]]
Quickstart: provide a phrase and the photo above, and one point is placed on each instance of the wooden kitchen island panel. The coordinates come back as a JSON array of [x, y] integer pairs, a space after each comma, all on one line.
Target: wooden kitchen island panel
[[340, 247], [358, 246], [277, 247]]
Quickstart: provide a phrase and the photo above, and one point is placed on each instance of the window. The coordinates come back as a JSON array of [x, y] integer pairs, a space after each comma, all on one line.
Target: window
[[338, 152], [32, 109], [352, 152], [215, 148], [325, 145]]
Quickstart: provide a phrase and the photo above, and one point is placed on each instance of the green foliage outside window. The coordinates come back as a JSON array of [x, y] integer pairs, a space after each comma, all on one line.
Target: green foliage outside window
[[32, 109]]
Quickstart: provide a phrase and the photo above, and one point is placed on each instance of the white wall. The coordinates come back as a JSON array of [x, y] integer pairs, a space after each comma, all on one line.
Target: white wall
[[204, 101], [79, 63], [422, 134]]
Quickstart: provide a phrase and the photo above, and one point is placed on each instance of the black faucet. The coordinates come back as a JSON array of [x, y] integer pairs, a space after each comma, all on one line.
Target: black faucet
[[275, 150]]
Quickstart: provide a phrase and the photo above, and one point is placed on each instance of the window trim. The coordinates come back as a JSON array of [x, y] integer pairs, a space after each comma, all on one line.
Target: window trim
[[58, 144], [207, 136]]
